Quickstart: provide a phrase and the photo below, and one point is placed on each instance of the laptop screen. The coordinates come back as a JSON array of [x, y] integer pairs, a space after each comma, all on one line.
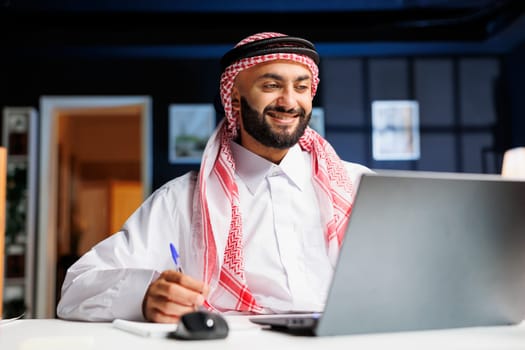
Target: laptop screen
[[427, 251]]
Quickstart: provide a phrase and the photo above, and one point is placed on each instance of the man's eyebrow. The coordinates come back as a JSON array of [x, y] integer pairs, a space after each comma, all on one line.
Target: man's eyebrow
[[281, 78]]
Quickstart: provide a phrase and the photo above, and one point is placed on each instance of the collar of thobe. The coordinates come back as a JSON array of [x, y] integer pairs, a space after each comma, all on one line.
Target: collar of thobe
[[253, 169]]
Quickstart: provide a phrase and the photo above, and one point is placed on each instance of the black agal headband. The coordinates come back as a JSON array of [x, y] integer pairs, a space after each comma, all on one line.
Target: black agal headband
[[280, 44]]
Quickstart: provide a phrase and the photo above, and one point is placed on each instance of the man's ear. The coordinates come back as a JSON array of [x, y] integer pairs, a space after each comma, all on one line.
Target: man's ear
[[236, 100]]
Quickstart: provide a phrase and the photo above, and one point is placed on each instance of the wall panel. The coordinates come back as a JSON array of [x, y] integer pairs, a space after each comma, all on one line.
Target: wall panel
[[433, 81]]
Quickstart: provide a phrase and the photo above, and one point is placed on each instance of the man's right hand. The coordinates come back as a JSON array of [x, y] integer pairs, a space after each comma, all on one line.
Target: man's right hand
[[172, 295]]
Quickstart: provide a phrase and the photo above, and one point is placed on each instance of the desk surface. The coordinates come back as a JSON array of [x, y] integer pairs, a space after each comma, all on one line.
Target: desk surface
[[43, 334]]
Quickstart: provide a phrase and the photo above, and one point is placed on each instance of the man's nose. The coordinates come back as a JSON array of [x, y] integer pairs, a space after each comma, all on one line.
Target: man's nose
[[287, 98]]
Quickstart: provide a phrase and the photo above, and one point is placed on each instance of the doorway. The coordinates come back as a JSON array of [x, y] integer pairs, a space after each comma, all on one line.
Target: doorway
[[93, 151]]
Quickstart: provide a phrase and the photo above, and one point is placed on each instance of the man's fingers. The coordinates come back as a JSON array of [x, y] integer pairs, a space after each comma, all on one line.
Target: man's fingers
[[175, 292], [165, 311], [184, 280], [159, 317], [172, 295], [190, 283]]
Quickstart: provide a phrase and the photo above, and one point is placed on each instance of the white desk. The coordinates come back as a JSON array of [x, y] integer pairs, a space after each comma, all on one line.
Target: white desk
[[44, 334]]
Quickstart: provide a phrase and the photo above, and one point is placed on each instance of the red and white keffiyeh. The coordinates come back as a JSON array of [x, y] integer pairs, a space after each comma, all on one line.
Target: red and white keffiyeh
[[218, 195]]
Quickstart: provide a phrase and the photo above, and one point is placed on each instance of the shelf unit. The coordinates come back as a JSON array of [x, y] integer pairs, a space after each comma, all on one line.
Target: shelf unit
[[20, 137]]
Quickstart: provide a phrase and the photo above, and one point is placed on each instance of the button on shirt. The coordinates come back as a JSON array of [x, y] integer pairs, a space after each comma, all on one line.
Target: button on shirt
[[286, 262]]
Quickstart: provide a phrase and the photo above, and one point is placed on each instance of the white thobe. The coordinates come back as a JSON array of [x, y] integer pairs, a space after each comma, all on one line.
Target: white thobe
[[286, 262]]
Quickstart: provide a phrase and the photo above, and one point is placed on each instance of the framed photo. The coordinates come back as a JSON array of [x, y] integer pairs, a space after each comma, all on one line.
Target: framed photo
[[395, 130], [190, 126]]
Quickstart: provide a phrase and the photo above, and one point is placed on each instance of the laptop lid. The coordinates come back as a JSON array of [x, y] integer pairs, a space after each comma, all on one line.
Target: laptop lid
[[429, 251]]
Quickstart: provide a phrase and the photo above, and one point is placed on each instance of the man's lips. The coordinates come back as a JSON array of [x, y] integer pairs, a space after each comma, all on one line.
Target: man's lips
[[283, 117]]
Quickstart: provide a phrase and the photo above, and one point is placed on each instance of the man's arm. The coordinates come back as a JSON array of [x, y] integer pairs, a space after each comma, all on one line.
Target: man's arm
[[111, 280], [103, 294]]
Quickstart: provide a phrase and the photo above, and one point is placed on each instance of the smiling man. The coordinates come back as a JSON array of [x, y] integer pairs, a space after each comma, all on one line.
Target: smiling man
[[258, 228]]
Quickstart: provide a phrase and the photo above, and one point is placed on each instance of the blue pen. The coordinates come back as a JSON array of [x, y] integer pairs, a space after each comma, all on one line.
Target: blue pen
[[175, 257]]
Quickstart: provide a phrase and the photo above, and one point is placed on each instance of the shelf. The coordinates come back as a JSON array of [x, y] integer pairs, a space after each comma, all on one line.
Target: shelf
[[15, 281], [20, 138], [17, 158]]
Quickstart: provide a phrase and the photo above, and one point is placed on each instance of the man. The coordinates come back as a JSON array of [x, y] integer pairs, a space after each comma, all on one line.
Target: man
[[256, 230]]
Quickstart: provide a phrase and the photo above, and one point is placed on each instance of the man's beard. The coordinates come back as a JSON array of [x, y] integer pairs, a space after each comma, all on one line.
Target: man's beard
[[257, 127]]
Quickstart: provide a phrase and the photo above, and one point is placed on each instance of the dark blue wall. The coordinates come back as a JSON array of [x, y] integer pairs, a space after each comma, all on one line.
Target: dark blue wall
[[515, 75]]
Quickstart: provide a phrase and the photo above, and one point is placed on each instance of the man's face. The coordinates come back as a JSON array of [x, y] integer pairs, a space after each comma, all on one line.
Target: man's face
[[280, 136], [274, 100]]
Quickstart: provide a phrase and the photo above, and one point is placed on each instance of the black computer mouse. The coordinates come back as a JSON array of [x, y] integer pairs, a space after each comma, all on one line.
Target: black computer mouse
[[199, 325]]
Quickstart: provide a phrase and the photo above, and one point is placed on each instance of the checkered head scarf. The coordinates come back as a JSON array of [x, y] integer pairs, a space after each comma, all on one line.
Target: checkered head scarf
[[217, 209]]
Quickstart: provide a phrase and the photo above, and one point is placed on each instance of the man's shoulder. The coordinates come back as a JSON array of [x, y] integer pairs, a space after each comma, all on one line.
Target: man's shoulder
[[356, 168], [184, 181]]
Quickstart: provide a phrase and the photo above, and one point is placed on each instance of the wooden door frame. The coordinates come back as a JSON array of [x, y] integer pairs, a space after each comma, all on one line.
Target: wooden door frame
[[50, 107]]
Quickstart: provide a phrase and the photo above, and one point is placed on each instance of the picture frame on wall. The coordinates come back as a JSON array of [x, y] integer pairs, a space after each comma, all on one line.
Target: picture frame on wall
[[395, 130], [190, 127]]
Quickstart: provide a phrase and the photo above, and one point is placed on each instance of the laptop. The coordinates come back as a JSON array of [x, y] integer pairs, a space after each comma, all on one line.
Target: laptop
[[424, 250]]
